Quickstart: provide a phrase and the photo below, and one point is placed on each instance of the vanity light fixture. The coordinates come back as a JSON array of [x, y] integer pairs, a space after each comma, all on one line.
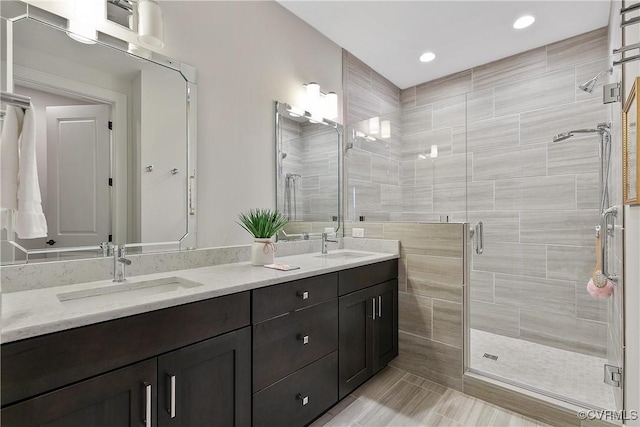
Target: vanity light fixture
[[150, 24], [320, 104], [82, 24], [523, 22], [331, 105], [427, 57]]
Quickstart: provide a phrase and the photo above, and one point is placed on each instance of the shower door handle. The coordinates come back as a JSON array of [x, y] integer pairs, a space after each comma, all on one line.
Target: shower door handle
[[478, 233]]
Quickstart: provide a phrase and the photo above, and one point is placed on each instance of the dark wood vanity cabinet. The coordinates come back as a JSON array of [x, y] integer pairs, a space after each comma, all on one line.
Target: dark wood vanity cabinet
[[133, 371], [368, 329], [276, 356], [315, 340], [295, 343]]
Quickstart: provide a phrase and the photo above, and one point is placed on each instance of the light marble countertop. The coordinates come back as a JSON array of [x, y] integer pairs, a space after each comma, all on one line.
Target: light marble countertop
[[36, 312]]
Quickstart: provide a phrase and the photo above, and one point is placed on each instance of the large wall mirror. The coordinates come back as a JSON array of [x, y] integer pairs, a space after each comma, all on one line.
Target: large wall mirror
[[308, 172], [113, 138]]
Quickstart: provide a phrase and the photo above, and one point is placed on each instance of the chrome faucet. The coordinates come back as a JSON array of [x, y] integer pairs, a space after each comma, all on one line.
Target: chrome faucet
[[119, 261], [325, 240]]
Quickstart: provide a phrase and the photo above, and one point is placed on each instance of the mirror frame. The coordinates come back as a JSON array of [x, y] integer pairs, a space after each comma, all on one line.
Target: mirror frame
[[278, 161], [15, 12], [630, 145]]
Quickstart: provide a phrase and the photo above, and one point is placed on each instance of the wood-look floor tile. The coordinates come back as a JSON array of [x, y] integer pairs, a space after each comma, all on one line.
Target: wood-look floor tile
[[380, 384], [405, 404], [349, 415], [465, 409], [424, 383]]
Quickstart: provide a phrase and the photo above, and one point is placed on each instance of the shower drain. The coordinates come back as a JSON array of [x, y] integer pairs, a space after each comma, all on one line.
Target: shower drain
[[490, 356]]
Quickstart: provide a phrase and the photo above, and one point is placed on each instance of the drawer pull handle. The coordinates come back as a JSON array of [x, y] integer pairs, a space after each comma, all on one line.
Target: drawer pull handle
[[172, 397], [304, 338], [147, 405], [304, 399], [303, 294]]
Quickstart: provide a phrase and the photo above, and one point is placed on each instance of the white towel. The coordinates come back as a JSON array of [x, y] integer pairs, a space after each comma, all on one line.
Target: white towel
[[9, 163], [30, 220]]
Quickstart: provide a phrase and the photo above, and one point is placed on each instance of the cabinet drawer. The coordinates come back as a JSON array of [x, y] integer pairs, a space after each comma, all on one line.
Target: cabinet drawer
[[283, 403], [276, 300], [279, 344], [40, 364], [362, 277]]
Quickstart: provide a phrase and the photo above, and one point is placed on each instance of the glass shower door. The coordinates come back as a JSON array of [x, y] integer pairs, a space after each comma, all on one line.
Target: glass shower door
[[532, 322]]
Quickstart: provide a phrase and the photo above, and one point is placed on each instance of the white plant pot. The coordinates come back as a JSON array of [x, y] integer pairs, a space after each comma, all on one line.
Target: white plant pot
[[262, 252]]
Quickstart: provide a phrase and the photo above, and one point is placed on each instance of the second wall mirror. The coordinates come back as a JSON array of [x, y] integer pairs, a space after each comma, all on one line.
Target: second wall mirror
[[308, 172]]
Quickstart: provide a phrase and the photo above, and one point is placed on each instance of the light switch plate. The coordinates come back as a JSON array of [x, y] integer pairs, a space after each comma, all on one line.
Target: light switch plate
[[357, 232]]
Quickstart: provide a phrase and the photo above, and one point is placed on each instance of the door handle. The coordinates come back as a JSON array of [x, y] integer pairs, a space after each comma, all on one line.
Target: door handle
[[172, 396], [379, 305], [373, 306], [147, 405], [478, 233]]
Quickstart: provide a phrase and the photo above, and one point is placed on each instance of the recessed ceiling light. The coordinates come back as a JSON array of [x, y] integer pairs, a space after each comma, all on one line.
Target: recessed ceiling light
[[523, 22], [427, 57]]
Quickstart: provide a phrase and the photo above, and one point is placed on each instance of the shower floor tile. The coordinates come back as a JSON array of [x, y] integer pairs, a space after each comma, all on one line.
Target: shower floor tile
[[564, 373]]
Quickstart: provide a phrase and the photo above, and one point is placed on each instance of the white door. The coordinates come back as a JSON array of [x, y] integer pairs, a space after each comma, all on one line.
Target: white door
[[78, 207]]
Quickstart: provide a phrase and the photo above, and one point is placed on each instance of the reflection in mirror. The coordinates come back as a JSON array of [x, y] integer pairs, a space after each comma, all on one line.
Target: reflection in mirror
[[112, 145], [308, 171]]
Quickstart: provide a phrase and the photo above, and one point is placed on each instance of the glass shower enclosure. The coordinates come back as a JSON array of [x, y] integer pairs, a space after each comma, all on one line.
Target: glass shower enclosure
[[487, 157]]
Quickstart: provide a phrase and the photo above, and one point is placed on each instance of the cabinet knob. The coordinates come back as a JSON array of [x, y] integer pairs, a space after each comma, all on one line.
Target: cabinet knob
[[303, 294], [304, 338], [304, 399]]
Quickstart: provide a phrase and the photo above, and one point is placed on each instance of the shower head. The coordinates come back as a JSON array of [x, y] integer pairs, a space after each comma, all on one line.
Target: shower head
[[590, 84], [283, 155], [602, 128], [562, 136]]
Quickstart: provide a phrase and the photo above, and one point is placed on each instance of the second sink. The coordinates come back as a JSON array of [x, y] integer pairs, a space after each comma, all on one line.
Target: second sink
[[343, 255]]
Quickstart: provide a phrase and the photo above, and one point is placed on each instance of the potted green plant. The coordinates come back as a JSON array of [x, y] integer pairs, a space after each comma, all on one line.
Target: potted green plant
[[262, 224]]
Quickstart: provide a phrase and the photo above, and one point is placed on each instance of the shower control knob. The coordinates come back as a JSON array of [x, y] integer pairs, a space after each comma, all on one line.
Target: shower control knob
[[50, 242]]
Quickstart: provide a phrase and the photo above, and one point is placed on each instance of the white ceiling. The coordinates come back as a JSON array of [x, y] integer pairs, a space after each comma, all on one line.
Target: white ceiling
[[390, 36]]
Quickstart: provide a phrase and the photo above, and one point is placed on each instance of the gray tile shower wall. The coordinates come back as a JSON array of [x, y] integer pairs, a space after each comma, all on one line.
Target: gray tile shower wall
[[311, 152], [493, 126]]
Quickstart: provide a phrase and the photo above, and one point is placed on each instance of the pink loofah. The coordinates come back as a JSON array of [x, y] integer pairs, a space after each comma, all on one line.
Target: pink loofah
[[604, 292]]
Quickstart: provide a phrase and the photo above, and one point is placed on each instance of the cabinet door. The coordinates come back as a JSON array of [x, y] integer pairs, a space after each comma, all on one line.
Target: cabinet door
[[355, 340], [385, 326], [207, 384], [116, 399]]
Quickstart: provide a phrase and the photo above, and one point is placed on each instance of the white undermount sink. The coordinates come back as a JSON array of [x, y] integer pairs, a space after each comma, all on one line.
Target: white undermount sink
[[342, 255], [124, 292]]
